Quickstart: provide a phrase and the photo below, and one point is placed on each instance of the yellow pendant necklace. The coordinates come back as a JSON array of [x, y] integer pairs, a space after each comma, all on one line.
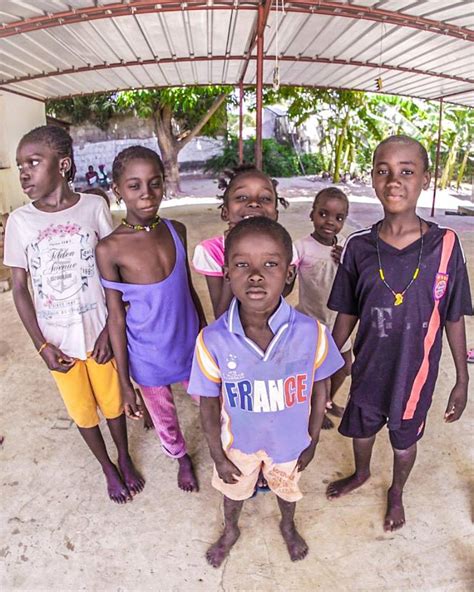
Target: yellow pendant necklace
[[399, 296]]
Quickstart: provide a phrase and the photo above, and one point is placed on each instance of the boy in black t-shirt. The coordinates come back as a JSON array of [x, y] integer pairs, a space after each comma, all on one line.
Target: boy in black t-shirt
[[404, 280]]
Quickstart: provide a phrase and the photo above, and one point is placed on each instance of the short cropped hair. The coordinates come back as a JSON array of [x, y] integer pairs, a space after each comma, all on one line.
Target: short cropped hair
[[332, 192], [57, 139], [134, 153], [259, 225], [402, 139]]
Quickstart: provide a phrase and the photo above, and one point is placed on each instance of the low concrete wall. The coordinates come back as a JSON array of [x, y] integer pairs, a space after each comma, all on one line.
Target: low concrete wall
[[93, 146]]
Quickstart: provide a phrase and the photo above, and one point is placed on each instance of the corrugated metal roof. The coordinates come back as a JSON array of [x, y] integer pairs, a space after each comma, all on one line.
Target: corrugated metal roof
[[418, 48]]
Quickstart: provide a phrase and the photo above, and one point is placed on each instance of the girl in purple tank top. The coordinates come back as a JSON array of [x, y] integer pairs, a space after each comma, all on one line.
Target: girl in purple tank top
[[154, 313]]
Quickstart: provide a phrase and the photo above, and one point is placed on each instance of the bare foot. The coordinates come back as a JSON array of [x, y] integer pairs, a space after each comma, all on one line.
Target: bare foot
[[327, 423], [395, 516], [132, 478], [336, 410], [217, 552], [147, 420], [186, 478], [343, 486], [117, 490], [297, 547]]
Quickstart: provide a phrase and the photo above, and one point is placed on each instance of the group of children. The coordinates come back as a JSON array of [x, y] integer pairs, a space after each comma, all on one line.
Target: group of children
[[115, 308]]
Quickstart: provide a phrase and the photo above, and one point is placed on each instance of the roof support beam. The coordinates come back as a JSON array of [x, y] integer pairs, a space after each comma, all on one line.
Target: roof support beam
[[401, 18], [40, 98], [260, 24], [241, 123], [262, 18], [137, 7], [438, 146], [269, 58]]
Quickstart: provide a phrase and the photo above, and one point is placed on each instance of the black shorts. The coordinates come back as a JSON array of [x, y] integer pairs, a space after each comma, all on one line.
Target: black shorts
[[365, 422]]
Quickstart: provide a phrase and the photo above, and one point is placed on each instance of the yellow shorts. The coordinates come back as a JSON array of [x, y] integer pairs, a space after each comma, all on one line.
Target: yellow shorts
[[282, 478], [89, 385]]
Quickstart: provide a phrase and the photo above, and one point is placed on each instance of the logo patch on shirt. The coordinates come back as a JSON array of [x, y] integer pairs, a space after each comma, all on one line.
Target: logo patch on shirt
[[440, 285], [231, 362]]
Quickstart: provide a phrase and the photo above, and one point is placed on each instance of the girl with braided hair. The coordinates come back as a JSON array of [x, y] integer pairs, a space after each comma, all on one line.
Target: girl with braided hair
[[53, 240], [248, 192]]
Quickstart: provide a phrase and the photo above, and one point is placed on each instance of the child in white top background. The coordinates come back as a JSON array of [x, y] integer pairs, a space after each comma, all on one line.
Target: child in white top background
[[318, 258]]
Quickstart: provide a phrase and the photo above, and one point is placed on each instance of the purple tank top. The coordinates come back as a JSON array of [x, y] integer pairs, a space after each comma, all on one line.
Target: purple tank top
[[162, 324]]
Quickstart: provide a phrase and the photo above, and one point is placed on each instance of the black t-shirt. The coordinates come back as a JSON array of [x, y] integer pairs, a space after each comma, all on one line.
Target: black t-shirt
[[397, 348]]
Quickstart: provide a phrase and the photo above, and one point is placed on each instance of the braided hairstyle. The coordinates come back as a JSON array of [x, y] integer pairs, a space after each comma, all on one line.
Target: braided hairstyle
[[230, 176], [134, 153], [56, 138]]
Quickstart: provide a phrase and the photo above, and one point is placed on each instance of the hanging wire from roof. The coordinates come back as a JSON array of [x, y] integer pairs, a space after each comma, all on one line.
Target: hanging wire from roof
[[276, 69], [378, 80]]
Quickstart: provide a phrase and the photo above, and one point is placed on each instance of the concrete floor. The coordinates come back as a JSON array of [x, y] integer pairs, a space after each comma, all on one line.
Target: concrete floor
[[60, 532]]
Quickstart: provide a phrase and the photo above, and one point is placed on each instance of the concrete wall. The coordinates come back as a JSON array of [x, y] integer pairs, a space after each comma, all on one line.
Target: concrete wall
[[18, 115], [95, 146]]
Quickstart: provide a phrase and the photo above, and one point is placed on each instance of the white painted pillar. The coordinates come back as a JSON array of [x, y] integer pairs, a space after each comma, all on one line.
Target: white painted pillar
[[18, 115]]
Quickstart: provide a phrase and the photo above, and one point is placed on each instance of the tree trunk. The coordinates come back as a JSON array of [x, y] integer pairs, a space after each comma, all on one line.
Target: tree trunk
[[339, 151], [445, 177], [168, 148], [462, 168], [451, 168], [346, 158], [170, 145]]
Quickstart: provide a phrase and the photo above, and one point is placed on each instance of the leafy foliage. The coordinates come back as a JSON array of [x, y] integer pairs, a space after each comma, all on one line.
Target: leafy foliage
[[279, 160], [98, 109], [188, 105], [350, 125]]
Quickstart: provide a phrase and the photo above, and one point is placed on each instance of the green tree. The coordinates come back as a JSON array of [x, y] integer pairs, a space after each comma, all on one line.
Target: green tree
[[351, 124], [458, 128], [346, 120], [179, 115]]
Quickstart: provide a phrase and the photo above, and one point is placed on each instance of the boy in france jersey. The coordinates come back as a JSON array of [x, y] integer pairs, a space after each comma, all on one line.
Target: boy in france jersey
[[261, 372]]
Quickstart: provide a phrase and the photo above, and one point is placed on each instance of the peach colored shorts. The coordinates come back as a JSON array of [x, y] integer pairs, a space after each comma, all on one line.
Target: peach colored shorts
[[282, 478]]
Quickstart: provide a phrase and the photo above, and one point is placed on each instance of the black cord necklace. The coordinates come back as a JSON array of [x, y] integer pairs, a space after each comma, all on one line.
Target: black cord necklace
[[399, 296]]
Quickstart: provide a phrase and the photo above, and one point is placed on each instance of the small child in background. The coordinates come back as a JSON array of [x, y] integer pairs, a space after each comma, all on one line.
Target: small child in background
[[248, 193], [260, 372], [318, 258], [53, 240], [405, 280], [154, 312]]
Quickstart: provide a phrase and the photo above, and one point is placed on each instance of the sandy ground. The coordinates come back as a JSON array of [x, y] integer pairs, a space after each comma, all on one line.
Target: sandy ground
[[59, 531]]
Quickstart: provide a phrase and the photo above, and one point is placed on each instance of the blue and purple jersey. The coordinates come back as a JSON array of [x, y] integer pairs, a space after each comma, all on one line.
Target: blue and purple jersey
[[398, 347], [266, 395]]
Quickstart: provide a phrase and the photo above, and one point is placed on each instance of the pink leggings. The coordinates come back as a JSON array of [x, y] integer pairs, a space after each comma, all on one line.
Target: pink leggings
[[160, 404]]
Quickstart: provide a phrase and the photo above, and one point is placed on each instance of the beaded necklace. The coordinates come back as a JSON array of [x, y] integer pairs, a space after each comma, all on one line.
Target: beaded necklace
[[399, 295], [147, 227]]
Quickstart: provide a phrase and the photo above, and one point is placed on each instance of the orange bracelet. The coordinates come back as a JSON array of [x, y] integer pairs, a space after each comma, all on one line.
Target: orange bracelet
[[46, 343]]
